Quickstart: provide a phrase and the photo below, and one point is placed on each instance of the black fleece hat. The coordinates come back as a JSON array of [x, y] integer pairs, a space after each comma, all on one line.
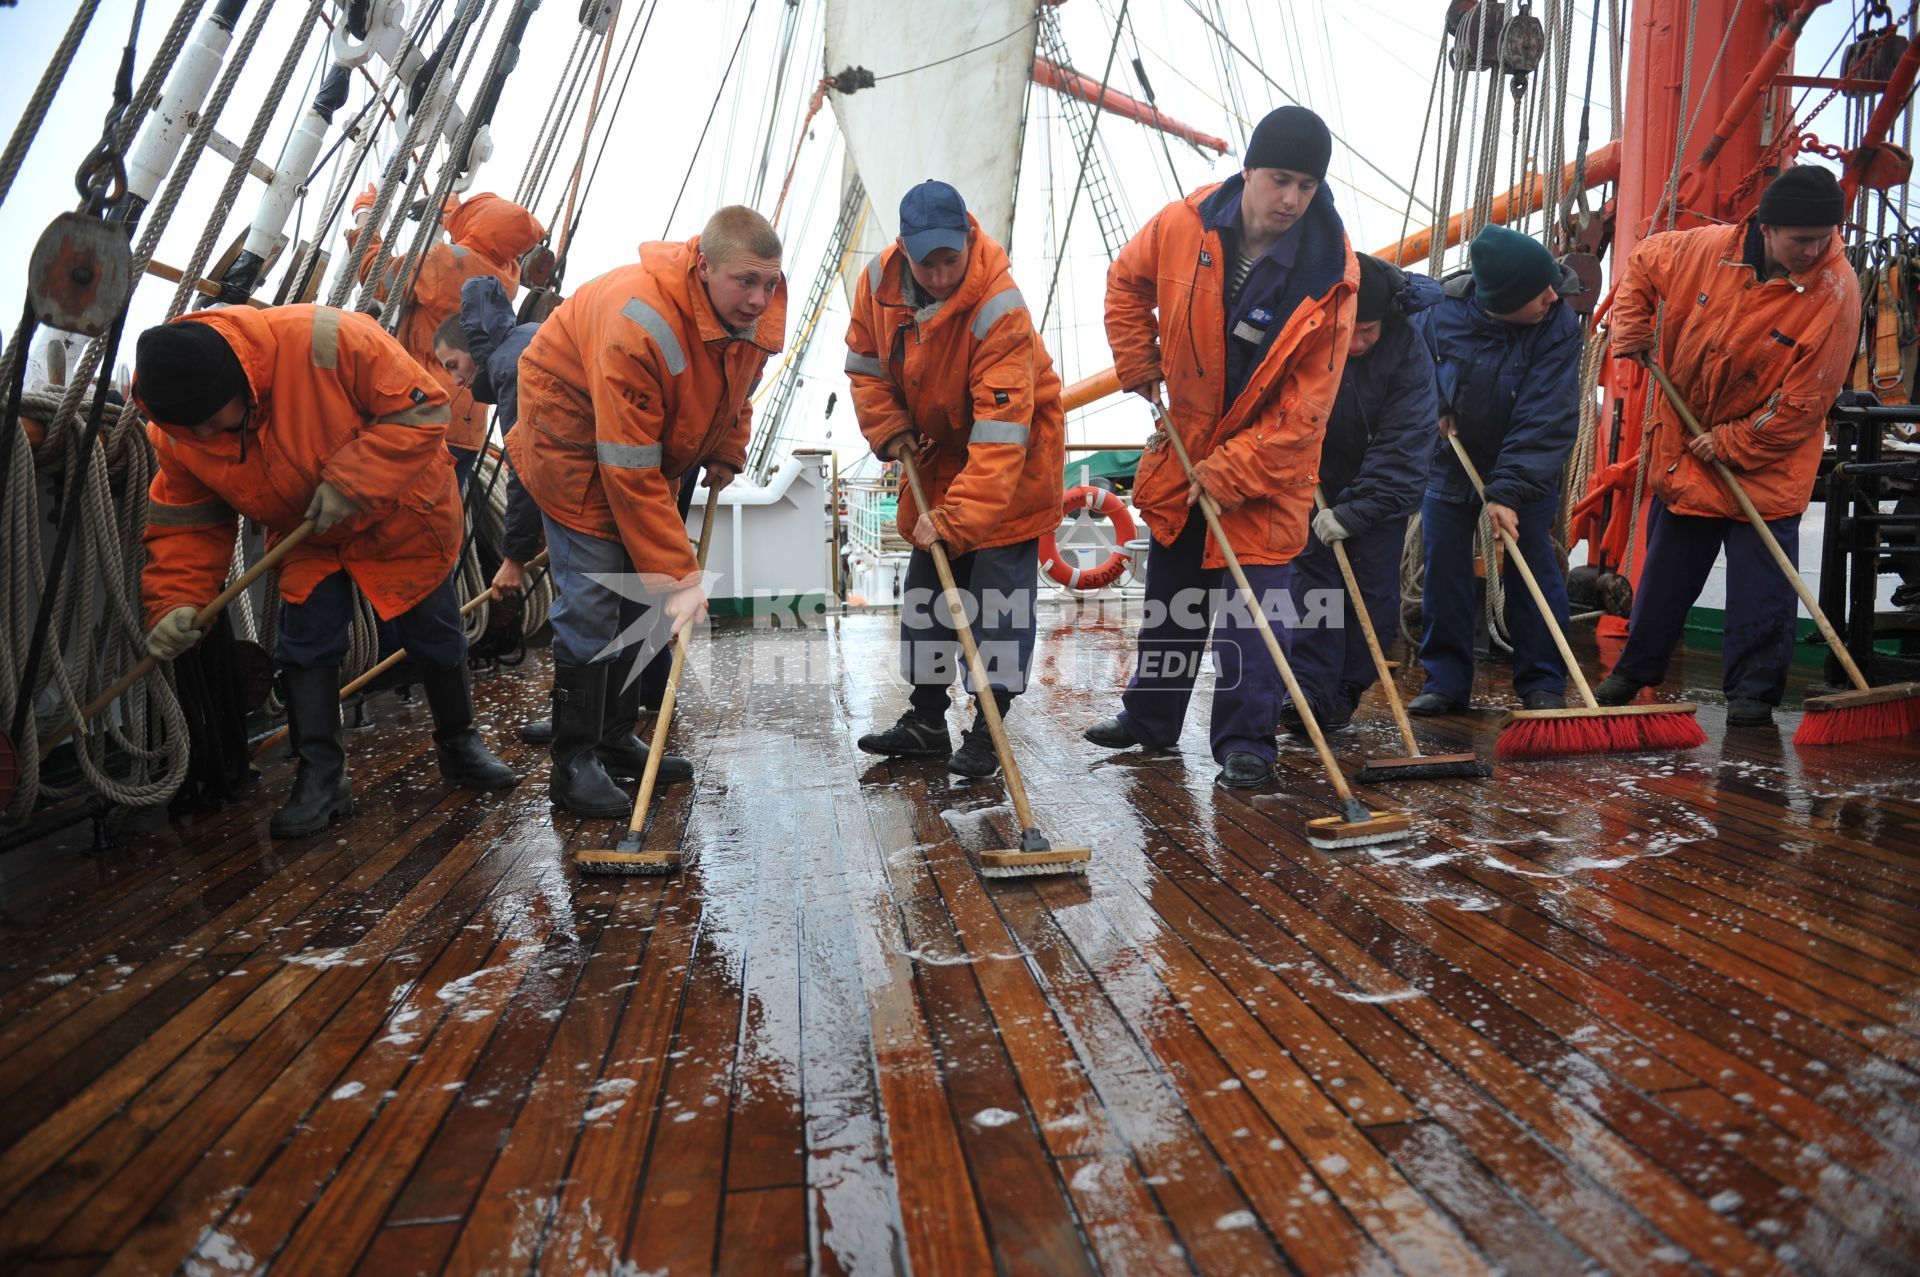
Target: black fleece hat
[[1804, 195], [185, 373], [1379, 281], [1291, 137]]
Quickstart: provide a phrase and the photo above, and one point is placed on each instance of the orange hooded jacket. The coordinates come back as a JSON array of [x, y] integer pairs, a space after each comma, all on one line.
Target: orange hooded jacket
[[630, 383], [1759, 362], [1260, 455], [334, 398], [971, 376], [489, 236]]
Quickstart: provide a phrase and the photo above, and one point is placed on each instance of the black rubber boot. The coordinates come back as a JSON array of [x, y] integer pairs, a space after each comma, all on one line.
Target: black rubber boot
[[537, 731], [623, 754], [1616, 689], [577, 782], [465, 759], [320, 794]]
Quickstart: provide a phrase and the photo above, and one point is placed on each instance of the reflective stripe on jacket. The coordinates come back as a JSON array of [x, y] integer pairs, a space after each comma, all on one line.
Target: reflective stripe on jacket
[[971, 377], [630, 383], [334, 398]]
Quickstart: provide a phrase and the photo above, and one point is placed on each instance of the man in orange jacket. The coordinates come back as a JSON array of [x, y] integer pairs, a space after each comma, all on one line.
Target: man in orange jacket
[[1241, 299], [947, 368], [638, 378], [489, 235], [1757, 324], [306, 412]]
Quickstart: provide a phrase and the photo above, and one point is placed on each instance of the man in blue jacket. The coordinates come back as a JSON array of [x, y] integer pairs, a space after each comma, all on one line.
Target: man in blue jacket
[[1373, 467], [480, 346], [1506, 353]]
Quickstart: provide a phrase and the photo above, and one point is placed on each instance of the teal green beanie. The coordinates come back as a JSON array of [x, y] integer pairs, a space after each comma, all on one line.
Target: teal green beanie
[[1509, 269]]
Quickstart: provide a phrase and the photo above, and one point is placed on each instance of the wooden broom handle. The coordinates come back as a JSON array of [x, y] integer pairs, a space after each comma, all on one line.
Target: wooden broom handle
[[204, 617], [1300, 701], [1519, 560], [1767, 538], [1400, 718], [662, 720], [977, 668]]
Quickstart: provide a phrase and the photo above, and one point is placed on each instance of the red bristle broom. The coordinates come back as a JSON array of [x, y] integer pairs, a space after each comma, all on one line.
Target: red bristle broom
[[1592, 728], [1865, 712]]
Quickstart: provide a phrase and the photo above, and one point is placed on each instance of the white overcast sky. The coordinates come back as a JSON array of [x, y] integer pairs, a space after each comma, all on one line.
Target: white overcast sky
[[1366, 65]]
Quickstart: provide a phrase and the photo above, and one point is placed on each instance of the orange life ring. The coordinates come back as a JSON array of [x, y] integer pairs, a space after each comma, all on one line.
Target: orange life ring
[[1114, 510]]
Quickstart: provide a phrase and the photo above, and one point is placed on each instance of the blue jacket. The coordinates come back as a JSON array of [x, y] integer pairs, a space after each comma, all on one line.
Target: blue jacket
[[1379, 445], [1514, 391], [496, 343]]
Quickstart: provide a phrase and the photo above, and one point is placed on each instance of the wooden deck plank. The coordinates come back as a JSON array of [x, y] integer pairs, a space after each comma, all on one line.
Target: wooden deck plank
[[121, 1112], [1030, 1217], [587, 1080], [173, 1209], [243, 890], [1186, 1180], [939, 1215], [1610, 1160], [1558, 918], [765, 1233], [1635, 1014]]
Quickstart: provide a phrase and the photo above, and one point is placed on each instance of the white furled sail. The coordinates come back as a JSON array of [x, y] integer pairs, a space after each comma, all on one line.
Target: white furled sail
[[950, 83]]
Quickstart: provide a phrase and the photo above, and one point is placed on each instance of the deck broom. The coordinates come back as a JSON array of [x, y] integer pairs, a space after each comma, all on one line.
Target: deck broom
[[1866, 711], [1035, 856], [1357, 824], [1415, 766], [393, 658], [268, 561], [630, 855], [1594, 728]]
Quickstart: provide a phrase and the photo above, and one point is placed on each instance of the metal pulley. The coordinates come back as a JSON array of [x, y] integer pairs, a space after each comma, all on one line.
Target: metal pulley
[[80, 275]]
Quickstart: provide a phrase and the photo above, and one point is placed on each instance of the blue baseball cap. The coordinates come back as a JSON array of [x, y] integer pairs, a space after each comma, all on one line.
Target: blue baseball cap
[[933, 216]]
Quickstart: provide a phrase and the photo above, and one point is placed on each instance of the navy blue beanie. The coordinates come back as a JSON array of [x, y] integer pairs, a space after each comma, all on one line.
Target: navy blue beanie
[[1509, 269]]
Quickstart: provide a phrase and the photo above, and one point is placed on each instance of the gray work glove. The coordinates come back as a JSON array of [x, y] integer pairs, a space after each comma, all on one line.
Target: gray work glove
[[329, 507], [174, 635], [1327, 526]]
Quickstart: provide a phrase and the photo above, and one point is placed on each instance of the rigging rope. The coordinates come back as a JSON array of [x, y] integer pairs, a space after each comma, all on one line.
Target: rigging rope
[[36, 113], [1086, 154], [72, 645], [394, 187], [717, 93], [586, 133], [639, 41]]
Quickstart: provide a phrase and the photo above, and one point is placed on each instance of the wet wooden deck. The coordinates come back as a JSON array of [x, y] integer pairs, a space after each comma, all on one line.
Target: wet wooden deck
[[1645, 1015]]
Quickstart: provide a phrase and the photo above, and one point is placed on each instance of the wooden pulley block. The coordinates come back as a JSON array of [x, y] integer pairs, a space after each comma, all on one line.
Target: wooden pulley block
[[80, 275]]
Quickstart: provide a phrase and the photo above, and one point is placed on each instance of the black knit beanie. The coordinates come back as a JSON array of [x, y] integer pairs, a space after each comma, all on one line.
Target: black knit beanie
[[1804, 195], [1509, 269], [1379, 282], [1291, 137], [185, 373]]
